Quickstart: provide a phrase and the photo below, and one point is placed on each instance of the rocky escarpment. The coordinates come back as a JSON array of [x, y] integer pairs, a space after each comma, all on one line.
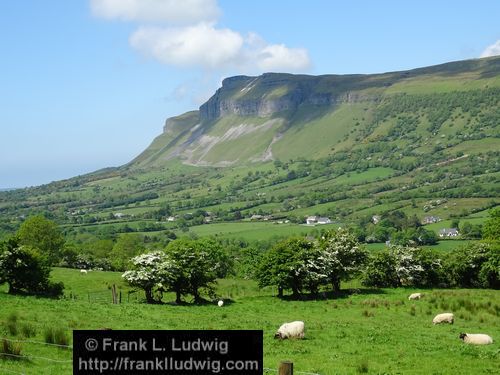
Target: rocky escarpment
[[273, 92]]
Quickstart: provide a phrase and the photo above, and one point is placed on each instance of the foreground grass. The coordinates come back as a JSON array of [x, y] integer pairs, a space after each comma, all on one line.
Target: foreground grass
[[373, 331]]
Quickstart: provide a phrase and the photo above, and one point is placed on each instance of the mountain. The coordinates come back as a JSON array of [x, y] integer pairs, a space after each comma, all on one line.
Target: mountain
[[424, 141], [279, 116]]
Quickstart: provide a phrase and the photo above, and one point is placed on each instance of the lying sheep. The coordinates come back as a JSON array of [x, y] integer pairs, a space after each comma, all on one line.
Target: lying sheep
[[83, 272], [476, 338], [292, 330], [220, 303], [414, 296], [443, 318]]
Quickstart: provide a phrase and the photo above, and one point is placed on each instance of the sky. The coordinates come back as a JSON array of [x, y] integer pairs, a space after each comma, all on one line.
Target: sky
[[88, 84]]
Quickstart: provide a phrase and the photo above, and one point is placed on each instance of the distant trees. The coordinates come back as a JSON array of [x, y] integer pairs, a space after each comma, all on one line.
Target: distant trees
[[44, 235], [126, 246], [491, 228], [26, 270]]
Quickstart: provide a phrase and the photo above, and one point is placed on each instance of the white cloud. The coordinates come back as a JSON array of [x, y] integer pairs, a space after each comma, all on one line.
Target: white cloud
[[278, 57], [171, 11], [200, 45], [493, 50], [207, 47]]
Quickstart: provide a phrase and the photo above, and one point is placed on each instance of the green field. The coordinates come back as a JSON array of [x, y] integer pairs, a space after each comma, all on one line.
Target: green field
[[367, 330], [255, 230]]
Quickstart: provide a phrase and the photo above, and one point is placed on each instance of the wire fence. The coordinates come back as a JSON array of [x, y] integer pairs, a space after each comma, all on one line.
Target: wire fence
[[30, 357], [275, 371], [70, 347]]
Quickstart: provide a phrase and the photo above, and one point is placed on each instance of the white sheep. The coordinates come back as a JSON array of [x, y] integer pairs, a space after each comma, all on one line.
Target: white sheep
[[220, 303], [476, 338], [414, 296], [290, 330], [443, 318], [83, 272]]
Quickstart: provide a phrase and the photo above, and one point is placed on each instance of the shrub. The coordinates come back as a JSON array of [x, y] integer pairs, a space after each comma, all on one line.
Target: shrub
[[28, 330], [10, 350], [56, 336]]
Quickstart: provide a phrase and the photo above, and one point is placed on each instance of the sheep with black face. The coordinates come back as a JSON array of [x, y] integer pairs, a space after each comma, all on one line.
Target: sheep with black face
[[292, 330]]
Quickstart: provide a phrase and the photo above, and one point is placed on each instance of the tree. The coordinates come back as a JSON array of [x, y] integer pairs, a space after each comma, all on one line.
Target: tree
[[290, 264], [341, 256], [404, 266], [26, 270], [148, 273], [127, 246], [381, 271], [195, 265], [42, 234], [475, 265], [491, 228]]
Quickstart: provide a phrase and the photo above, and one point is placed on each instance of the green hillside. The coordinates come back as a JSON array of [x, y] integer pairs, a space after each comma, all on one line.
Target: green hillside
[[287, 146]]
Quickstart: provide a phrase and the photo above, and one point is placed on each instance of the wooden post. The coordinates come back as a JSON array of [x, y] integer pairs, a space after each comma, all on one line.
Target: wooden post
[[120, 296], [113, 292], [286, 368]]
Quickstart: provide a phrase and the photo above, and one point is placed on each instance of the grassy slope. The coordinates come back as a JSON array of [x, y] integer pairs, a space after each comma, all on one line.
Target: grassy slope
[[377, 329]]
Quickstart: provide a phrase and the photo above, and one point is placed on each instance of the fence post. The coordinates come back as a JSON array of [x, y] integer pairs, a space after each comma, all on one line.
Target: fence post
[[113, 293], [120, 296], [286, 368]]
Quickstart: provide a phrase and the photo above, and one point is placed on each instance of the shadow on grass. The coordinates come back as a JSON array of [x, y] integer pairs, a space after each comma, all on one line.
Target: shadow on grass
[[344, 293], [201, 302]]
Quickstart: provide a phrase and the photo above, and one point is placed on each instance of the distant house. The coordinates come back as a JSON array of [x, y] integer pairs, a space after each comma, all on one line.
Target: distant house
[[448, 232], [431, 220], [171, 218], [313, 220], [118, 215], [376, 219]]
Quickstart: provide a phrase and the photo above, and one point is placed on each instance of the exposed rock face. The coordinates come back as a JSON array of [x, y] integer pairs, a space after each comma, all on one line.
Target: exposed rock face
[[253, 96]]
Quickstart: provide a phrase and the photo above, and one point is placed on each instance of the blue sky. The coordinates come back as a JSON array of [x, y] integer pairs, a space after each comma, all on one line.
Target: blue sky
[[88, 84]]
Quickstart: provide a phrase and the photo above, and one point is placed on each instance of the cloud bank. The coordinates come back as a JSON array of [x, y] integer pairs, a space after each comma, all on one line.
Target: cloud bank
[[493, 50], [185, 34]]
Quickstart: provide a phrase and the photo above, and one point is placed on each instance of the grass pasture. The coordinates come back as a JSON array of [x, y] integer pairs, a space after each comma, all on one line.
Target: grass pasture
[[365, 331]]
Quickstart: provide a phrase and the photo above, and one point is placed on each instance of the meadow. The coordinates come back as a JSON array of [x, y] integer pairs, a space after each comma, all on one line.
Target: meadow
[[374, 331]]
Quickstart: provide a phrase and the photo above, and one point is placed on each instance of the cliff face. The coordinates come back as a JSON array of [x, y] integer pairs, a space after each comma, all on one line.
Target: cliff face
[[272, 92]]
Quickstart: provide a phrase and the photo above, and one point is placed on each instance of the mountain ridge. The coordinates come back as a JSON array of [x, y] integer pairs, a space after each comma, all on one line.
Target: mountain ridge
[[244, 105]]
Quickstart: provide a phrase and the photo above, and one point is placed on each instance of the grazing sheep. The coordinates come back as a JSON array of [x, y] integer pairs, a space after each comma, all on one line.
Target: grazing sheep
[[220, 303], [443, 318], [83, 272], [476, 338], [414, 296], [290, 330]]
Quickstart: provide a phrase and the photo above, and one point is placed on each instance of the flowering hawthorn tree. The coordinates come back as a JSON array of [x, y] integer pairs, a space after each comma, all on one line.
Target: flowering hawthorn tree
[[341, 256], [150, 273]]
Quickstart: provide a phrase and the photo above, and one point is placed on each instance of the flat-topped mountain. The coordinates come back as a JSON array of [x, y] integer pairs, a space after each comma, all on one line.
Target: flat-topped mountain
[[281, 116]]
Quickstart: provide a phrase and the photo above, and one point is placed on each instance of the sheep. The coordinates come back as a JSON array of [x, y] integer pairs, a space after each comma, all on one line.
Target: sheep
[[476, 338], [414, 296], [83, 272], [290, 330], [220, 303], [443, 318]]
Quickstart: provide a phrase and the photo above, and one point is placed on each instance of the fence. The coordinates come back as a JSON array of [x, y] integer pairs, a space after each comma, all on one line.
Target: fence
[[286, 368], [110, 295], [30, 357]]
